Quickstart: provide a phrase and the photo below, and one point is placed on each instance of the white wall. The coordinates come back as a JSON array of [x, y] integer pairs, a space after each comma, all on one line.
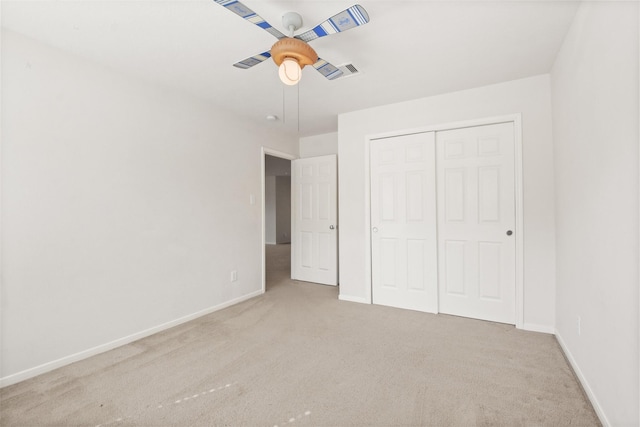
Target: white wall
[[531, 97], [277, 210], [595, 123], [277, 200], [283, 209], [319, 145], [125, 207], [270, 210], [276, 166]]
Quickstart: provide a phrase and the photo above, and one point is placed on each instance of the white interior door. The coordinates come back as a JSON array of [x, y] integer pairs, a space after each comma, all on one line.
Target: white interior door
[[476, 220], [314, 254], [403, 222]]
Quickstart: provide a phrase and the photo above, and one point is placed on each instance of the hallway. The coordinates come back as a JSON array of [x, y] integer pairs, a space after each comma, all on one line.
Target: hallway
[[278, 264]]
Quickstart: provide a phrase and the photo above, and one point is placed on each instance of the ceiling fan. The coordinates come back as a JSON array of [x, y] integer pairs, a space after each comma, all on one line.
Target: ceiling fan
[[292, 53]]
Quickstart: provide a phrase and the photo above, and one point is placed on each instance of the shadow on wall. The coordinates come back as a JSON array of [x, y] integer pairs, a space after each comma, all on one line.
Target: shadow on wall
[[277, 200]]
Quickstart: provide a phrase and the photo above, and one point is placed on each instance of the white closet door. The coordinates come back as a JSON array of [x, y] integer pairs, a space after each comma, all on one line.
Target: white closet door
[[314, 249], [403, 220], [476, 220]]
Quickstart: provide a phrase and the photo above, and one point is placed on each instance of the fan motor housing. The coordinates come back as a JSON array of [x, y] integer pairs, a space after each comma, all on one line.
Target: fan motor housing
[[289, 47]]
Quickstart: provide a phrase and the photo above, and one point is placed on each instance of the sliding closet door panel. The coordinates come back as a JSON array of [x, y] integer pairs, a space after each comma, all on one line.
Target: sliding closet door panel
[[403, 222], [476, 220]]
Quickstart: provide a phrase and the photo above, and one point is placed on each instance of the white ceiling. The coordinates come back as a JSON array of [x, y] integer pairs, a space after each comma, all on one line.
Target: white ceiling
[[410, 49]]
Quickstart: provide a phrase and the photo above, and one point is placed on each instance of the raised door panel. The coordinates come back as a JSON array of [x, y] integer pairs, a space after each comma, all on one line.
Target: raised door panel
[[415, 196], [417, 263], [306, 249], [386, 204], [489, 267], [455, 199], [489, 194], [454, 268], [387, 263]]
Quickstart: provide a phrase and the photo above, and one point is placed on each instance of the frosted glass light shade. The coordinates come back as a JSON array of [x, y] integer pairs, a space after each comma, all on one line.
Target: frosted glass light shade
[[290, 72]]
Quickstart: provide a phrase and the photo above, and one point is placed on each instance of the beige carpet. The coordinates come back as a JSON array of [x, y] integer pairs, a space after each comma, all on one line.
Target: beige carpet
[[298, 356]]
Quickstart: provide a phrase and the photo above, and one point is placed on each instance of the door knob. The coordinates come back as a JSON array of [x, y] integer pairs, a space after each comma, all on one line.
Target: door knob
[[375, 229], [331, 227], [509, 232]]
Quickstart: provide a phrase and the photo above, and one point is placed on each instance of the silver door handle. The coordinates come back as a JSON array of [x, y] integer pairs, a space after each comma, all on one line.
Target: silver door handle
[[331, 227], [375, 229]]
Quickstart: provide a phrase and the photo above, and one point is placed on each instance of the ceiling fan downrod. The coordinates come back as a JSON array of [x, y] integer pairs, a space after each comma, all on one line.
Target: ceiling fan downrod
[[292, 21]]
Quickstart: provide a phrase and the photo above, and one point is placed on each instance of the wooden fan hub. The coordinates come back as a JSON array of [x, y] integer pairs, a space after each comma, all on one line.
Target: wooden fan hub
[[293, 48]]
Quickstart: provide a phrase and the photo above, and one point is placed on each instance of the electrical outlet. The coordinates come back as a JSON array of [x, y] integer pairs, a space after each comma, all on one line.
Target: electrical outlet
[[579, 325], [234, 275]]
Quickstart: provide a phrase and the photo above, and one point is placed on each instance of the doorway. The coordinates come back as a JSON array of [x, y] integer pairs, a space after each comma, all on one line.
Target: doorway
[[277, 219]]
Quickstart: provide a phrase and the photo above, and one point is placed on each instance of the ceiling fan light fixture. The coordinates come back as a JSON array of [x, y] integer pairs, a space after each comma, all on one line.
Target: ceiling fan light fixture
[[296, 47], [290, 71], [291, 56]]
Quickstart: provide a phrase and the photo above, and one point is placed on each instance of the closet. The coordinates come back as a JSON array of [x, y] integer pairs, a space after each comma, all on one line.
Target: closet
[[443, 222]]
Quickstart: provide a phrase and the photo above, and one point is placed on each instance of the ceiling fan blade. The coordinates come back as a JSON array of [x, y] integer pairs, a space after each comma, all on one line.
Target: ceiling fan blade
[[349, 18], [248, 14], [254, 60], [327, 69]]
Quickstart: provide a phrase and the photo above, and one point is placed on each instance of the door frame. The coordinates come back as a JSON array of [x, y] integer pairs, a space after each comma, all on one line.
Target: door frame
[[516, 119], [264, 152]]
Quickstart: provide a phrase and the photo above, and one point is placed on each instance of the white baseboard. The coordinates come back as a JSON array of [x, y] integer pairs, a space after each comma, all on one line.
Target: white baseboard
[[583, 380], [349, 298], [539, 328], [50, 366]]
